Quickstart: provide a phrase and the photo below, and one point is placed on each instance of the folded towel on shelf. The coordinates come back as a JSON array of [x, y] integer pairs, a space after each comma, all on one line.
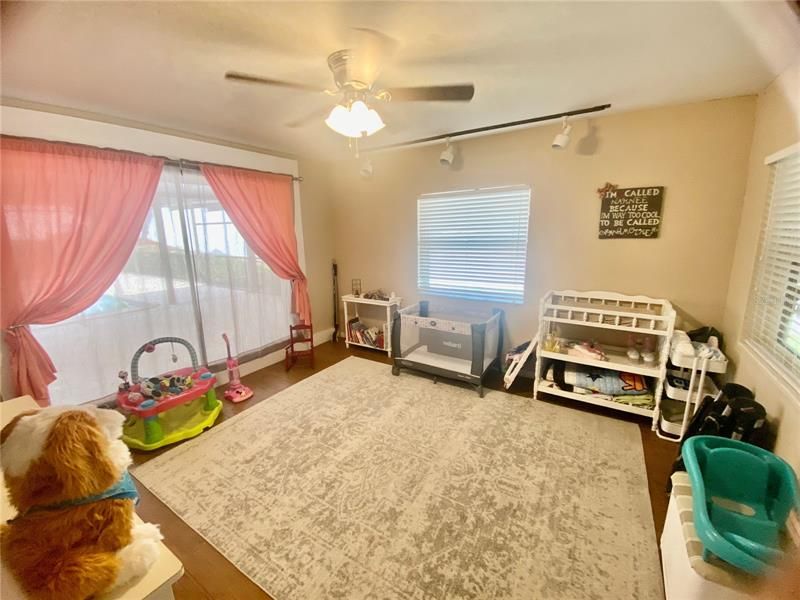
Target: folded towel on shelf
[[646, 400], [569, 377]]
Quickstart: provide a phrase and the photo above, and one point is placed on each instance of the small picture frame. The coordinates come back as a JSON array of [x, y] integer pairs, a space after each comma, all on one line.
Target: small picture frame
[[356, 287]]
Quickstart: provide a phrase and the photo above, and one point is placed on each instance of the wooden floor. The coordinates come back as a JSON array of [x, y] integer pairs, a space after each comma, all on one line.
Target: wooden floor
[[210, 576]]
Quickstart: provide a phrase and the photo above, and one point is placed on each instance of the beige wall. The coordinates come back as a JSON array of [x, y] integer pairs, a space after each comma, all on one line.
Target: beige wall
[[777, 125], [699, 152], [317, 207]]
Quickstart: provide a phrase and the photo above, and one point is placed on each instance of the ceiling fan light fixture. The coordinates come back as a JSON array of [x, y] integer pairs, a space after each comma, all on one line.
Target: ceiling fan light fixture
[[355, 121], [373, 122], [339, 120], [359, 110], [355, 71]]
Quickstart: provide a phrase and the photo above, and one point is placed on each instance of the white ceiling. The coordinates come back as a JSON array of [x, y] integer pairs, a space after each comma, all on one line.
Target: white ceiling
[[162, 63]]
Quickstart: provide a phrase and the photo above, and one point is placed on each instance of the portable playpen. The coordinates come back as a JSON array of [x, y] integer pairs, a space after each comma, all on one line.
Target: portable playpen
[[454, 347]]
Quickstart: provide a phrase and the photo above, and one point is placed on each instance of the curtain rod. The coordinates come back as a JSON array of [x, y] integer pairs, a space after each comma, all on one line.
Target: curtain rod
[[166, 159], [193, 163], [444, 136]]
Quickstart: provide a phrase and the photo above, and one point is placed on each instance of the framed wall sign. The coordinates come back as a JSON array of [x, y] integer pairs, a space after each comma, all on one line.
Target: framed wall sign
[[627, 213]]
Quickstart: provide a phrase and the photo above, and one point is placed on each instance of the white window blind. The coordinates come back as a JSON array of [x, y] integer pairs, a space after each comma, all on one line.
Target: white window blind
[[473, 244], [773, 313]]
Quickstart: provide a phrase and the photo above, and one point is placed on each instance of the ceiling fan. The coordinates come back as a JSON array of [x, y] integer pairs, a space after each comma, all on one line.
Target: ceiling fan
[[355, 72]]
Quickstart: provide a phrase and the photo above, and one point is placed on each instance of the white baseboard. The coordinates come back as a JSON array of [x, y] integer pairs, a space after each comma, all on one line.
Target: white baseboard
[[320, 337], [323, 336]]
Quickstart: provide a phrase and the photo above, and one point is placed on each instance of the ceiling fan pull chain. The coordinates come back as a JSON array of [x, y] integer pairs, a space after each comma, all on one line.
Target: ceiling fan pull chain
[[352, 145]]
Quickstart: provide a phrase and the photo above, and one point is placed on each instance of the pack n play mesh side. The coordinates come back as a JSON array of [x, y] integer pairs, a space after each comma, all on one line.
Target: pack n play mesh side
[[446, 346]]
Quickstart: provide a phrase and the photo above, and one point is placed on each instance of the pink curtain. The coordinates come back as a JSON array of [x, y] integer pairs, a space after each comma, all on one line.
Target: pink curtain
[[71, 216], [261, 206]]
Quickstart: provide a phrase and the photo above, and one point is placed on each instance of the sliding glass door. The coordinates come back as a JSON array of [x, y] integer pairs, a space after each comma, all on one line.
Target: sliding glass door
[[191, 275], [237, 292]]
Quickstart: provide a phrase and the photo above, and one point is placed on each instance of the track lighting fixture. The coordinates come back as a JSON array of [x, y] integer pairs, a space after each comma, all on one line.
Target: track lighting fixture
[[447, 156], [366, 169], [561, 140]]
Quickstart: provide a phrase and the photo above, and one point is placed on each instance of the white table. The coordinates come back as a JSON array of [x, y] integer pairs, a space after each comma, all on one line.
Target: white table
[[156, 585], [349, 300]]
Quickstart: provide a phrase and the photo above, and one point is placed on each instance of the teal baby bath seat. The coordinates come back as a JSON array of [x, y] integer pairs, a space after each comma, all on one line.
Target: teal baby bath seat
[[742, 497]]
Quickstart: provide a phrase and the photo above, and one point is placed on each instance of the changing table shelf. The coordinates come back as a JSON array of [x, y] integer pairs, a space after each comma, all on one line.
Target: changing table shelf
[[595, 313], [617, 360], [549, 387]]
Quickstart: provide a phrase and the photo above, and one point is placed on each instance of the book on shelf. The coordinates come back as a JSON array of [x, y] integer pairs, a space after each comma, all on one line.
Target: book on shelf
[[361, 333]]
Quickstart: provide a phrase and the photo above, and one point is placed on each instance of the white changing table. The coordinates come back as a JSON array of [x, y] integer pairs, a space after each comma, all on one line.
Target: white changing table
[[593, 313], [156, 585]]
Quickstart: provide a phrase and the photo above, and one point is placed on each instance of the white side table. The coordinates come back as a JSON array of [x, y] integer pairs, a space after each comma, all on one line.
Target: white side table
[[155, 585], [351, 304]]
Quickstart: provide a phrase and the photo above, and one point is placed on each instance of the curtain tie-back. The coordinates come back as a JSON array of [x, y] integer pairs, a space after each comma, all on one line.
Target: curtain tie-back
[[30, 364]]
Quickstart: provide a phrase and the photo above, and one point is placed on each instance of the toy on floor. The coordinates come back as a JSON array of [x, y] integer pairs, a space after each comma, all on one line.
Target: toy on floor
[[237, 391], [169, 408], [74, 536]]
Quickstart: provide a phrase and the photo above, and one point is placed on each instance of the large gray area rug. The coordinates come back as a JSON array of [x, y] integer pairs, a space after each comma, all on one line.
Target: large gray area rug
[[357, 484]]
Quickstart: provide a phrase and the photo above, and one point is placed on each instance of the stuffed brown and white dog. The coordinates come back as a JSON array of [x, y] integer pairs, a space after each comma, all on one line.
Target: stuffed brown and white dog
[[74, 536]]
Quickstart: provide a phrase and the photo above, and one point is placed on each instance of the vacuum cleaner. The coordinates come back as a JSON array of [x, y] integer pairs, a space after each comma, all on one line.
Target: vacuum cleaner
[[237, 391]]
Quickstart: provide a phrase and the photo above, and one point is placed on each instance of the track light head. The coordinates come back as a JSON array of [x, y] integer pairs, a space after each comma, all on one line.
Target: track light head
[[561, 140], [447, 156]]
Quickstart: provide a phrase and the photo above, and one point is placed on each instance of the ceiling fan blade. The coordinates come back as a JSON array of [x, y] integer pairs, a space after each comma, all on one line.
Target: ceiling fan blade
[[247, 78], [316, 114], [433, 93]]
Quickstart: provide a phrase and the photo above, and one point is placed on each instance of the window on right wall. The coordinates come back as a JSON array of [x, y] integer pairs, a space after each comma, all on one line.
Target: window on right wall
[[772, 325], [473, 244]]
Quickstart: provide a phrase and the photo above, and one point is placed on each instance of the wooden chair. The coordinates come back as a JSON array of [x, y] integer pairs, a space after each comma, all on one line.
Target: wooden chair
[[302, 335]]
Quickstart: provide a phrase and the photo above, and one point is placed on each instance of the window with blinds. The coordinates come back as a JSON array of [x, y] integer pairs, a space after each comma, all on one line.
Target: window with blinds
[[473, 244], [773, 312]]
